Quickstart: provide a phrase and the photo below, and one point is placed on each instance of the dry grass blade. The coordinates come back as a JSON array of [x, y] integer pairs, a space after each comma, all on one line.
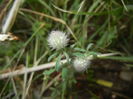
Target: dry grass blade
[[51, 17], [42, 14], [3, 8], [11, 16]]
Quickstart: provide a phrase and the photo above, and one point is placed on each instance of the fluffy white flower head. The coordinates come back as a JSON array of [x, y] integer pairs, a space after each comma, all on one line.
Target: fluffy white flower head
[[57, 40], [81, 64]]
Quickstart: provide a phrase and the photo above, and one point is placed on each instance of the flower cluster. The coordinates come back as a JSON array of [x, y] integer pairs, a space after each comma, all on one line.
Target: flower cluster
[[57, 40], [81, 64]]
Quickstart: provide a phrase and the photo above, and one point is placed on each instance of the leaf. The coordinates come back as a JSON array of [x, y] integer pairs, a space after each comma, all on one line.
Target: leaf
[[48, 72], [57, 67], [78, 54], [120, 58], [89, 46], [107, 37], [51, 57], [80, 49], [90, 13], [65, 80], [93, 53], [64, 73], [67, 56]]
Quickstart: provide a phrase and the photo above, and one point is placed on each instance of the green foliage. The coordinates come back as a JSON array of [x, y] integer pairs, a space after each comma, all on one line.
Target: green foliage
[[49, 72], [94, 26], [58, 64]]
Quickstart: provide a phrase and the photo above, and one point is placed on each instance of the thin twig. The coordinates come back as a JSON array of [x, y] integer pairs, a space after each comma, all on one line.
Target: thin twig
[[44, 66], [28, 70]]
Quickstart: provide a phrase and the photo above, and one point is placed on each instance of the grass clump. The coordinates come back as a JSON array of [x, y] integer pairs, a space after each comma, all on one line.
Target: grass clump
[[94, 27]]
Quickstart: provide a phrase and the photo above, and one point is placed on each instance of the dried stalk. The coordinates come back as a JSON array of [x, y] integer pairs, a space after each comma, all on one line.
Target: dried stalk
[[11, 16], [28, 70], [44, 66]]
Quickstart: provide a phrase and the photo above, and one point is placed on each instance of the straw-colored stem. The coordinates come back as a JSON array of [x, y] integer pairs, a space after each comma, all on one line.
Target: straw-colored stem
[[44, 66], [11, 16]]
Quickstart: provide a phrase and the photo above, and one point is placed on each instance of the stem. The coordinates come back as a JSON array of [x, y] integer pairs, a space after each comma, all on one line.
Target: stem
[[44, 66]]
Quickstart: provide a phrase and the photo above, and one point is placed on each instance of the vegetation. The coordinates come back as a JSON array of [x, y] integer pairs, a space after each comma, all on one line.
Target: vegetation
[[94, 27]]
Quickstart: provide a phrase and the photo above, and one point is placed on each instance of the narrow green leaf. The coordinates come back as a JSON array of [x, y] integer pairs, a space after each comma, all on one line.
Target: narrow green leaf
[[57, 67], [67, 56], [51, 57], [120, 58], [89, 46], [78, 54], [48, 72], [64, 73], [80, 49]]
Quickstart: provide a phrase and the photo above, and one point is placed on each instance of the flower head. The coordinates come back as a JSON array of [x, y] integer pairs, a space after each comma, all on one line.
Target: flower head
[[81, 64], [57, 40]]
